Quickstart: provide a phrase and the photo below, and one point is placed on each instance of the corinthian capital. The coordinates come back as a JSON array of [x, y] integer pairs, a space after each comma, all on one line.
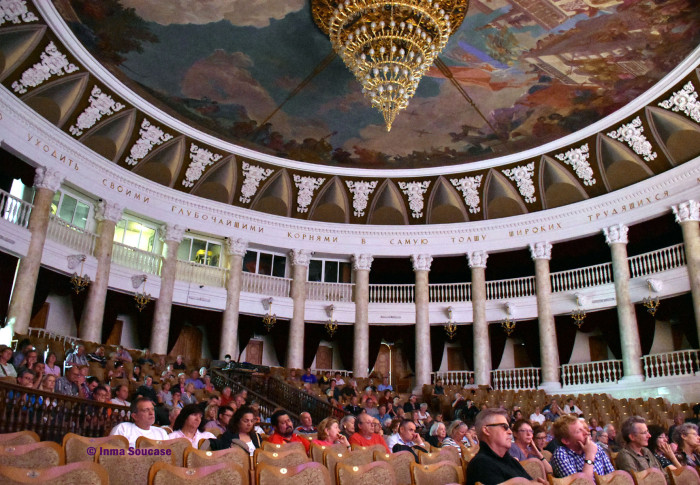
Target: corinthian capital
[[541, 250], [108, 211], [477, 259], [421, 262], [300, 257], [687, 211], [362, 262], [236, 247], [46, 178], [616, 234], [173, 233]]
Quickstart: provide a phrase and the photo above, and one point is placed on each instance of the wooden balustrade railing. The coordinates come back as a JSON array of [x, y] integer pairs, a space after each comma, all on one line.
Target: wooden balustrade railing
[[51, 415], [252, 385], [297, 401]]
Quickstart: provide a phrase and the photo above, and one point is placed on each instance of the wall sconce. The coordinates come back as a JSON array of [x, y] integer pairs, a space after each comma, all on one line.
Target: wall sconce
[[79, 281], [508, 324], [270, 319], [450, 326], [652, 304], [578, 314], [331, 324], [142, 299]]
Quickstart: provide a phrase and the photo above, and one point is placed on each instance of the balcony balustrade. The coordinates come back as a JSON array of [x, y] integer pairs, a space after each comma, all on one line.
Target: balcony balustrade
[[663, 259], [453, 377], [71, 236], [266, 285], [520, 378], [392, 293], [599, 372], [450, 292], [319, 291], [136, 259], [574, 279], [672, 364], [14, 210], [201, 274]]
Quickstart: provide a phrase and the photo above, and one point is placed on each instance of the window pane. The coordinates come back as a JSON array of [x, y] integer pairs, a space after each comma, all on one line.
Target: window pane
[[315, 268], [331, 275], [214, 254], [132, 234], [148, 237], [119, 231], [278, 266], [183, 251], [345, 273], [54, 202], [250, 261], [81, 215], [67, 208], [199, 251], [265, 264]]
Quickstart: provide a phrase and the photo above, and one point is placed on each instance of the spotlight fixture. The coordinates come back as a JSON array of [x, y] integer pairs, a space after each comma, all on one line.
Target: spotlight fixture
[[508, 324], [651, 304], [450, 326], [331, 324], [578, 314], [79, 282], [142, 299], [269, 319], [388, 44]]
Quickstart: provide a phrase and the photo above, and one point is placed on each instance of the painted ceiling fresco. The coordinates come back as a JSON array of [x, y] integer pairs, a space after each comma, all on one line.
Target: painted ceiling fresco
[[262, 75]]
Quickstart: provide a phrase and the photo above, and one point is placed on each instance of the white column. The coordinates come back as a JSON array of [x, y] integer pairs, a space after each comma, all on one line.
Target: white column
[[361, 264], [19, 313], [107, 216], [168, 272], [300, 264], [482, 343], [236, 249], [421, 268], [616, 237], [688, 215], [541, 253]]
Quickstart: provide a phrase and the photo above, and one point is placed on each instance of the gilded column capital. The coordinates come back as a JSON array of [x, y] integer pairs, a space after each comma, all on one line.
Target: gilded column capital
[[616, 234], [421, 262], [687, 211], [236, 247], [362, 262], [108, 211], [477, 259], [46, 178], [300, 257], [541, 250]]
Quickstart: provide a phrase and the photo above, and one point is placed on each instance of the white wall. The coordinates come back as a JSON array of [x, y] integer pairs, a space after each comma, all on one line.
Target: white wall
[[61, 319], [663, 338], [582, 348]]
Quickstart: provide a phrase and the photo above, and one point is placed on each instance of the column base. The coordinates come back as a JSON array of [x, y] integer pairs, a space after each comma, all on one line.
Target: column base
[[631, 379], [552, 387]]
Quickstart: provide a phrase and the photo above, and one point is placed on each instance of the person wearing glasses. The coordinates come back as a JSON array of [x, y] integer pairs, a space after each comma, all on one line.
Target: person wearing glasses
[[524, 446], [635, 456], [365, 435], [493, 464], [577, 453]]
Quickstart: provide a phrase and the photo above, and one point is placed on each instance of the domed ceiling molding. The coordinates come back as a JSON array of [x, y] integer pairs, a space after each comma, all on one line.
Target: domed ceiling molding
[[558, 186], [679, 137]]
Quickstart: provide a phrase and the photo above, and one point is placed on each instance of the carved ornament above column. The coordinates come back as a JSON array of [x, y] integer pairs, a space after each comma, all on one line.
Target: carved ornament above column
[[108, 211], [477, 259], [362, 262], [421, 262], [236, 247], [687, 211], [46, 178], [173, 233], [541, 250], [616, 234], [300, 257]]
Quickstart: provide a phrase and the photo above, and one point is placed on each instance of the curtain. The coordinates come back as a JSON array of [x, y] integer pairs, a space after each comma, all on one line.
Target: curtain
[[248, 325], [607, 322], [280, 340], [646, 326], [679, 310], [438, 337], [376, 334], [465, 336], [498, 338], [313, 334], [8, 266], [529, 332]]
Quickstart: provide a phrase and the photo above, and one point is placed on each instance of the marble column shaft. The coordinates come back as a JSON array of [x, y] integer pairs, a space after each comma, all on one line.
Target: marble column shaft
[[549, 353], [616, 237], [93, 314], [688, 215], [19, 313], [360, 351], [229, 321], [422, 299], [168, 273], [300, 264], [482, 342]]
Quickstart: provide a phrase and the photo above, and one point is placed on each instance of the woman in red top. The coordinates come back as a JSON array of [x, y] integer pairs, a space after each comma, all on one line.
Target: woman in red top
[[329, 434]]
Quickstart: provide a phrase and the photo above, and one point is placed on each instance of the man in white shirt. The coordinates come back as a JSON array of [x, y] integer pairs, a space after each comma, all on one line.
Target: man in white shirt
[[572, 408], [537, 416], [143, 414], [120, 395]]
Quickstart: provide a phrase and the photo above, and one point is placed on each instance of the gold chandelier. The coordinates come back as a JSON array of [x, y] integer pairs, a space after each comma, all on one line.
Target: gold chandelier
[[331, 324], [578, 314], [388, 45], [269, 319], [508, 325], [142, 299], [80, 282], [450, 326], [650, 303]]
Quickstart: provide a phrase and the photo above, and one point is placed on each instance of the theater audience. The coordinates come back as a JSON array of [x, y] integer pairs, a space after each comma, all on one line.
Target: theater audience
[[329, 434], [305, 426], [122, 355], [240, 432], [524, 446], [223, 418], [146, 389], [613, 445], [6, 367], [571, 408], [179, 363], [365, 435], [686, 437], [164, 396], [48, 383], [24, 346], [577, 453], [143, 415], [437, 434], [25, 377], [121, 392], [409, 440], [283, 430], [69, 384], [189, 424], [77, 357], [98, 356], [661, 448], [635, 456]]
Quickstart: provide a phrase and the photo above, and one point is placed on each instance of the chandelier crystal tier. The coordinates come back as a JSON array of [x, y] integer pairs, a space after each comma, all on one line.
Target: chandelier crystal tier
[[388, 45]]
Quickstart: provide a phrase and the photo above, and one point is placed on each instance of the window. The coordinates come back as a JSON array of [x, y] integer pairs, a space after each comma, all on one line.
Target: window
[[135, 234], [265, 263], [70, 209], [329, 271], [200, 251]]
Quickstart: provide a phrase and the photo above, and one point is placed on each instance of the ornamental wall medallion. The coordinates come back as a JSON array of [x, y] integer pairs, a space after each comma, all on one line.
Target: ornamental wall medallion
[[101, 104], [149, 136], [415, 192], [307, 186], [632, 133], [522, 176], [577, 158], [685, 101], [469, 186], [201, 159], [361, 190], [252, 176], [15, 11], [53, 63]]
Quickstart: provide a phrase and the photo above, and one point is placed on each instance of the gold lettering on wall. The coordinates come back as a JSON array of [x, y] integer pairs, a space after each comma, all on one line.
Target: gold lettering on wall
[[534, 229], [219, 221], [312, 237], [408, 241], [626, 207], [468, 239], [46, 148], [125, 191]]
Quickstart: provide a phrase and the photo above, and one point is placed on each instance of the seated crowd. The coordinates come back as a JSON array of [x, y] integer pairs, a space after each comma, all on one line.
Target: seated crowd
[[493, 441]]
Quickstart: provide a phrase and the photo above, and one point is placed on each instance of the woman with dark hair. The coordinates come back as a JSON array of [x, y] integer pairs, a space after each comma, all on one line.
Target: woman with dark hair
[[659, 446], [136, 373], [240, 432], [51, 369], [686, 437], [188, 424]]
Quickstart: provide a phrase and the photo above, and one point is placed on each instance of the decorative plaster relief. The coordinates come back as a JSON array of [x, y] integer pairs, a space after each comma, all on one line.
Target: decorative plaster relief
[[687, 211], [362, 262], [15, 11], [415, 191], [236, 247], [477, 259], [45, 178], [522, 176], [201, 159], [541, 250], [174, 233], [306, 186], [421, 262], [469, 186], [253, 175], [616, 234], [52, 63], [74, 260], [685, 101], [149, 136], [361, 190], [101, 104], [108, 211], [632, 133], [300, 257], [578, 159]]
